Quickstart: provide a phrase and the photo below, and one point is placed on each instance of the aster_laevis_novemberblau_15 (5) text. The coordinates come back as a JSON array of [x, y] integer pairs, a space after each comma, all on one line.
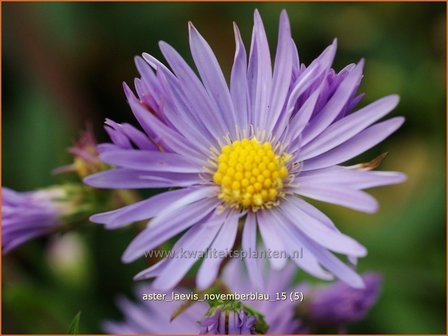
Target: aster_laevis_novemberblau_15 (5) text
[[333, 306], [245, 156]]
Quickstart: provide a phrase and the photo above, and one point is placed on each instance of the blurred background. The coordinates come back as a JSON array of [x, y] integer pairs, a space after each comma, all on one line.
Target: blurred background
[[63, 65]]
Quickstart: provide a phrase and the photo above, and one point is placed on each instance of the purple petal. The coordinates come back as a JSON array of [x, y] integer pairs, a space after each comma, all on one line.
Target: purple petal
[[135, 179], [155, 269], [156, 64], [137, 137], [202, 107], [138, 211], [339, 194], [151, 161], [320, 233], [224, 242], [296, 60], [259, 74], [143, 92], [10, 243], [10, 196], [337, 267], [196, 195], [348, 127], [315, 73], [282, 71], [177, 110], [351, 176], [176, 213], [238, 83], [116, 134], [198, 240], [222, 324], [271, 239], [300, 120], [148, 78], [249, 245], [212, 77], [314, 212], [338, 304], [294, 243], [233, 323], [182, 107], [356, 145], [155, 235], [104, 147], [165, 136], [334, 106], [326, 258]]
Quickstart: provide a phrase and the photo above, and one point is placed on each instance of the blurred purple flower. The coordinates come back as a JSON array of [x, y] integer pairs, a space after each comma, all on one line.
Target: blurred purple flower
[[154, 317], [214, 324], [27, 215], [339, 304], [233, 323], [151, 317], [334, 306], [245, 153]]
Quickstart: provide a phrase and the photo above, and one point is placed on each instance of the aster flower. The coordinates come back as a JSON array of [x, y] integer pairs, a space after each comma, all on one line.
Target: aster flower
[[154, 317], [338, 305], [233, 323], [332, 306], [246, 154], [280, 315], [27, 215], [86, 158], [151, 317]]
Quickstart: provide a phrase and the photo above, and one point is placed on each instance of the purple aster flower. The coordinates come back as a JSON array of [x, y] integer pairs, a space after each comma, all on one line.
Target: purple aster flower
[[150, 317], [338, 304], [214, 324], [154, 317], [249, 153], [280, 315], [232, 322], [335, 306], [27, 215]]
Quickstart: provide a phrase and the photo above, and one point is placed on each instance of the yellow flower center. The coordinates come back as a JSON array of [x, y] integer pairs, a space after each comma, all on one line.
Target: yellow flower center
[[250, 174]]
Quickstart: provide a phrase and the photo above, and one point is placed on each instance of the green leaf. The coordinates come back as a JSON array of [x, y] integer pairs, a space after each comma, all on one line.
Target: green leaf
[[74, 325]]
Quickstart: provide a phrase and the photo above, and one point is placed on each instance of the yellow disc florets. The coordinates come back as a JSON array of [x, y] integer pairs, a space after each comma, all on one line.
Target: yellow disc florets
[[250, 174]]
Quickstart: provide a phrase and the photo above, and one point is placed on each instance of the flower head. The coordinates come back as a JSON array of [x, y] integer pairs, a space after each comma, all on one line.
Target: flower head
[[232, 322], [338, 304], [334, 306], [86, 158], [154, 317], [27, 215], [245, 153], [229, 317]]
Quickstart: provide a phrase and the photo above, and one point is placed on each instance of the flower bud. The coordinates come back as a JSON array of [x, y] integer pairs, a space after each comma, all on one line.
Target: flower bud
[[27, 215]]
